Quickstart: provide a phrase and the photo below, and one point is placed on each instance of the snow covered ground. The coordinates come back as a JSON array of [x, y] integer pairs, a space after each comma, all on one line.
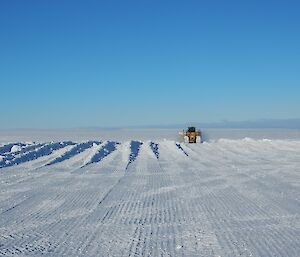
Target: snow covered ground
[[237, 194], [17, 135]]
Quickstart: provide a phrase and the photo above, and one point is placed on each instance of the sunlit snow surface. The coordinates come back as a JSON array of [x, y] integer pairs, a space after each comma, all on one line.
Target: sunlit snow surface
[[144, 193]]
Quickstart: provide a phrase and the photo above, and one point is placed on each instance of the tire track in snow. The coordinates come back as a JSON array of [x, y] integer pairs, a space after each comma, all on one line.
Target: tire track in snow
[[197, 237], [238, 224], [132, 218], [225, 215], [46, 175], [86, 238], [204, 205], [76, 204], [61, 217], [126, 197], [70, 204]]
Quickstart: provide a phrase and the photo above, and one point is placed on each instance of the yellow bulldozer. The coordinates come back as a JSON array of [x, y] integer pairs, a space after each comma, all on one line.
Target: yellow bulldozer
[[191, 135]]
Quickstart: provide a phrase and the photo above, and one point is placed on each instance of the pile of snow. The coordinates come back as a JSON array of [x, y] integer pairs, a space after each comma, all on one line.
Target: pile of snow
[[15, 148]]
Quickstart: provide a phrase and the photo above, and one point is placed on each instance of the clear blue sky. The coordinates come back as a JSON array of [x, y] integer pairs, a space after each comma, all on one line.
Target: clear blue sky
[[120, 63]]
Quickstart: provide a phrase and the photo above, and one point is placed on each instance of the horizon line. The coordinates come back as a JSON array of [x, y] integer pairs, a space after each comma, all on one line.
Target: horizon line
[[292, 123]]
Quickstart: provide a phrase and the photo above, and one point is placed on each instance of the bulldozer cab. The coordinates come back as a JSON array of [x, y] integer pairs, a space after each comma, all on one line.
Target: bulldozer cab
[[191, 129]]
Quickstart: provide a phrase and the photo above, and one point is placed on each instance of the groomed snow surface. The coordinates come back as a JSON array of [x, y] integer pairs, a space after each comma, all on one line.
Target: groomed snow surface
[[228, 197]]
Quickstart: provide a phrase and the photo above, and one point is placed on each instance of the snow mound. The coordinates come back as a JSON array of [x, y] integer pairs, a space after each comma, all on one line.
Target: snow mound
[[134, 148], [77, 149], [154, 148], [107, 149], [15, 148], [37, 152]]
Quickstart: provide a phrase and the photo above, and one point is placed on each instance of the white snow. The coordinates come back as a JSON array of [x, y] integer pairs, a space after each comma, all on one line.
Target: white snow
[[15, 148], [79, 160], [227, 197]]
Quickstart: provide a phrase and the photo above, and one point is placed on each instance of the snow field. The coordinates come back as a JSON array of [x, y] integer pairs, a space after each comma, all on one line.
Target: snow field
[[151, 198]]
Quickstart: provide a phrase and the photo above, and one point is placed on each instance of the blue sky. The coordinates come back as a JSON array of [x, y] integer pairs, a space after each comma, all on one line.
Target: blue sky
[[147, 62]]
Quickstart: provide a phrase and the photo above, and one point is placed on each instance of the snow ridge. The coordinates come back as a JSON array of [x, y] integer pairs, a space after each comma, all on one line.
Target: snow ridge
[[32, 155], [180, 148], [79, 148], [107, 149], [134, 148], [7, 148], [154, 148]]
